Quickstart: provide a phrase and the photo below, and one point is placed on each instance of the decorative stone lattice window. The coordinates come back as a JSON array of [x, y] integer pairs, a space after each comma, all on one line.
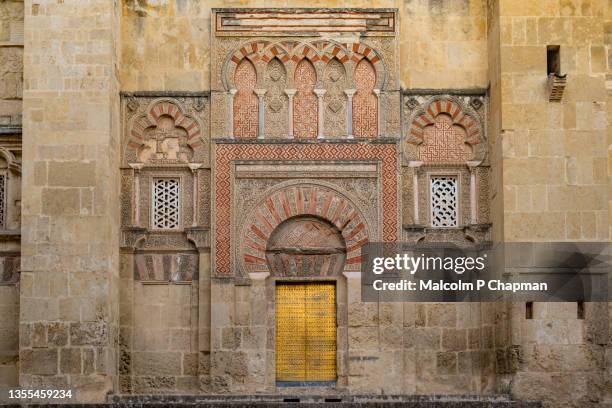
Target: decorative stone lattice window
[[2, 200], [166, 204], [444, 211]]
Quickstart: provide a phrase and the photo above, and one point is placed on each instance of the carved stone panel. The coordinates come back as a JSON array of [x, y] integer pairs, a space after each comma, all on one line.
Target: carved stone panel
[[444, 142], [165, 130], [275, 100], [305, 106], [306, 247], [245, 101], [335, 83], [155, 267], [444, 128], [365, 103]]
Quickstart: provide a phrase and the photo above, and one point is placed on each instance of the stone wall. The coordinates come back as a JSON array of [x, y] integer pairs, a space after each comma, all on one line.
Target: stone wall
[[11, 65], [555, 185], [70, 264], [101, 309], [443, 43], [11, 90]]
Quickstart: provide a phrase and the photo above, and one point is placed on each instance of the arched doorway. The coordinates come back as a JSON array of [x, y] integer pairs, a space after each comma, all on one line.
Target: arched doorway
[[305, 248]]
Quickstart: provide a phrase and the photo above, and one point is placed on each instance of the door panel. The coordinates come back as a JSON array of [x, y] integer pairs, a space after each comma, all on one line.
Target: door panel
[[306, 333]]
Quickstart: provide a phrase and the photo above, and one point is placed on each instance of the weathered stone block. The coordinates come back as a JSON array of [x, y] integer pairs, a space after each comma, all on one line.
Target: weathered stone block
[[157, 364], [72, 174], [89, 334], [70, 361], [39, 361], [61, 201]]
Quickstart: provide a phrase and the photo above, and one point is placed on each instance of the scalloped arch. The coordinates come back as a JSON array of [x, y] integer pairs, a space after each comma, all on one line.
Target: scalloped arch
[[157, 108], [460, 116], [301, 199], [315, 51]]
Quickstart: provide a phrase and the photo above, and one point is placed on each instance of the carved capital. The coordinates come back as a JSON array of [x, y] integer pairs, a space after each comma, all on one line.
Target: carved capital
[[350, 92], [260, 92], [199, 236], [319, 92], [194, 166], [290, 92], [136, 166], [131, 236]]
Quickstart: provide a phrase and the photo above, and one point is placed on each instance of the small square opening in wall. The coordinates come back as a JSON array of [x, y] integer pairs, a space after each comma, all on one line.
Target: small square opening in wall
[[553, 59], [529, 310], [580, 312]]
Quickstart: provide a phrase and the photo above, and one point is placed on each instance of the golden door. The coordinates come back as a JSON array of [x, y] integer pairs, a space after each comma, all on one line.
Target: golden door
[[305, 332]]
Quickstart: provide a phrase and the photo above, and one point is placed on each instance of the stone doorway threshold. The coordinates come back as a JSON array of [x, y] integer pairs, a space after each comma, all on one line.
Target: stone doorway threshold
[[320, 401], [301, 401]]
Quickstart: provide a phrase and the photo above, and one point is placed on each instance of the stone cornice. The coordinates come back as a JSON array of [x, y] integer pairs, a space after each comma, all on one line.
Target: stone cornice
[[168, 94], [450, 91]]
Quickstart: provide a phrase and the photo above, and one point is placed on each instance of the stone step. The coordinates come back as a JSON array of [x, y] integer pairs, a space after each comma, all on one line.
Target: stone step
[[328, 401], [299, 401]]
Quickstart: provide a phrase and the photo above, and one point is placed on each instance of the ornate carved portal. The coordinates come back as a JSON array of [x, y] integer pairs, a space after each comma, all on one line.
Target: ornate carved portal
[[245, 101], [365, 103], [306, 247], [305, 110]]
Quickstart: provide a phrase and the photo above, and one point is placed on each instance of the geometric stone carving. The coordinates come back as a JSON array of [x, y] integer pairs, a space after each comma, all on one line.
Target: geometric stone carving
[[305, 107], [305, 199], [245, 101], [275, 100], [264, 65], [365, 103], [444, 129], [227, 153], [444, 142], [306, 247], [166, 204], [444, 200], [164, 134], [165, 267], [335, 99], [259, 22]]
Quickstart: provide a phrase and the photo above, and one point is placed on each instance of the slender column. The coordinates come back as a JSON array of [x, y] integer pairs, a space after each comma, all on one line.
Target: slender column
[[136, 167], [194, 170], [260, 95], [349, 112], [415, 189], [230, 109], [378, 112], [290, 94], [472, 194], [320, 93]]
